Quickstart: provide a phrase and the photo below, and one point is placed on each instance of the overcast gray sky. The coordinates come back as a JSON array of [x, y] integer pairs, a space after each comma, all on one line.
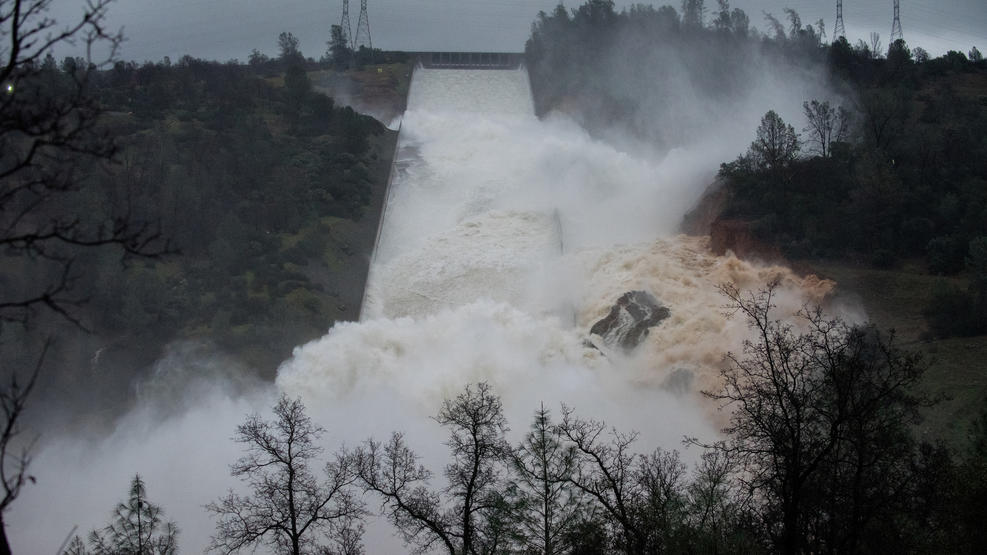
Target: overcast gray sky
[[226, 29]]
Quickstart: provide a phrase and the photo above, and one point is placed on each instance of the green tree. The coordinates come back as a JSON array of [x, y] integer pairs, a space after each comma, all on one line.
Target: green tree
[[972, 486], [137, 528], [549, 506], [976, 263], [257, 58], [297, 86], [288, 49], [776, 144], [339, 51], [693, 13]]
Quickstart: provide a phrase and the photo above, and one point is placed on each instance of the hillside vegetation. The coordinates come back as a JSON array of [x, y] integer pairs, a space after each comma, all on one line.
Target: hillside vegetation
[[887, 194], [267, 193]]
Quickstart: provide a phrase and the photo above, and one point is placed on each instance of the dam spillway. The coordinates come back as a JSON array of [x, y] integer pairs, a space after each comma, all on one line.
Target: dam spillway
[[460, 233], [506, 239]]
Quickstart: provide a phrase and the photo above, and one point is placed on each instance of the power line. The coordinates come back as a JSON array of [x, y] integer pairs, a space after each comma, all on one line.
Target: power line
[[363, 29], [840, 30], [896, 33], [344, 23]]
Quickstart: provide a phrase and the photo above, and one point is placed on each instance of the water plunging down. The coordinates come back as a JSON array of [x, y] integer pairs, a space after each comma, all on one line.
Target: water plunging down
[[505, 239]]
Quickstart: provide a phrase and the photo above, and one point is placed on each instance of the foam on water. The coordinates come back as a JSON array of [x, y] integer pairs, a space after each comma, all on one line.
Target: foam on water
[[505, 239]]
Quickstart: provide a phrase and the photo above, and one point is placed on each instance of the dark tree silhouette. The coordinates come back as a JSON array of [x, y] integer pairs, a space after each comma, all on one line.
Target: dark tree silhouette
[[289, 508], [827, 125], [819, 426], [15, 452], [776, 143], [137, 528], [474, 517], [338, 51], [550, 506], [48, 124], [288, 49], [605, 472]]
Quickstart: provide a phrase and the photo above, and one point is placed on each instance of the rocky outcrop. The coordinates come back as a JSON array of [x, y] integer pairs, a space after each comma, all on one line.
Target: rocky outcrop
[[699, 220], [629, 320], [740, 237], [727, 234]]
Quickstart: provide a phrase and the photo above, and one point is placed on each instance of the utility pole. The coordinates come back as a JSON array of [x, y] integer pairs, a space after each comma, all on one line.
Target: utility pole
[[344, 24], [840, 30], [896, 33], [363, 29]]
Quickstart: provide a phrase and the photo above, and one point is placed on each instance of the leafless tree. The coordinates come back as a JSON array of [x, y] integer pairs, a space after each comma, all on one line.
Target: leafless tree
[[718, 506], [393, 471], [471, 517], [15, 450], [605, 472], [885, 115], [48, 123], [660, 478], [875, 44], [827, 125], [289, 508], [818, 424]]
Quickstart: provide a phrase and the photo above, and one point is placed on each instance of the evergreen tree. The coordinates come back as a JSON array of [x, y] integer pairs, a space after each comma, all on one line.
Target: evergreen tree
[[137, 529], [549, 506]]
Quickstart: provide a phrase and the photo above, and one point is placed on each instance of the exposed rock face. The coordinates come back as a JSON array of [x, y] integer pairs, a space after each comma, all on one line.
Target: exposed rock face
[[740, 237], [628, 322], [727, 234], [699, 220]]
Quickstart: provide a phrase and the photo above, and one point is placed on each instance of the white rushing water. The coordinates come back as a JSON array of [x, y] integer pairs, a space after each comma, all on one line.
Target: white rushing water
[[505, 239]]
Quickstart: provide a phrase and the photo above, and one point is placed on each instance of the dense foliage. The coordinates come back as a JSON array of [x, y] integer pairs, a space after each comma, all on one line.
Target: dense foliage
[[898, 172], [911, 180], [258, 185]]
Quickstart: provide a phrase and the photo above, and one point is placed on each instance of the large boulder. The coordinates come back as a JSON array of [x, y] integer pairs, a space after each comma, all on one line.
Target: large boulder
[[629, 320]]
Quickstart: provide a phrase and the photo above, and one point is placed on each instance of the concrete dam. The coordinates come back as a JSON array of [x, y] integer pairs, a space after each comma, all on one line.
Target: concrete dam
[[452, 231], [517, 251]]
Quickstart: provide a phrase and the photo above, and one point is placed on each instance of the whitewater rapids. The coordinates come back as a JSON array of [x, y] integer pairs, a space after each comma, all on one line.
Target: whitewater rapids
[[505, 239]]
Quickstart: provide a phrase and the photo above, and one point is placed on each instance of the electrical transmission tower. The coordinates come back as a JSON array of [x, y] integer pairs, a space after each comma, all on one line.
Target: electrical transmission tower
[[840, 30], [344, 24], [896, 33], [363, 29]]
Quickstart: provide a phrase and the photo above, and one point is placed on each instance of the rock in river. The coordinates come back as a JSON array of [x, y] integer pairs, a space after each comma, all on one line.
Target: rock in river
[[628, 322]]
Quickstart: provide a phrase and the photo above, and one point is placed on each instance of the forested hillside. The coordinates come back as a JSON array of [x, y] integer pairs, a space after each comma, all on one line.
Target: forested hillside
[[260, 192], [880, 181]]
